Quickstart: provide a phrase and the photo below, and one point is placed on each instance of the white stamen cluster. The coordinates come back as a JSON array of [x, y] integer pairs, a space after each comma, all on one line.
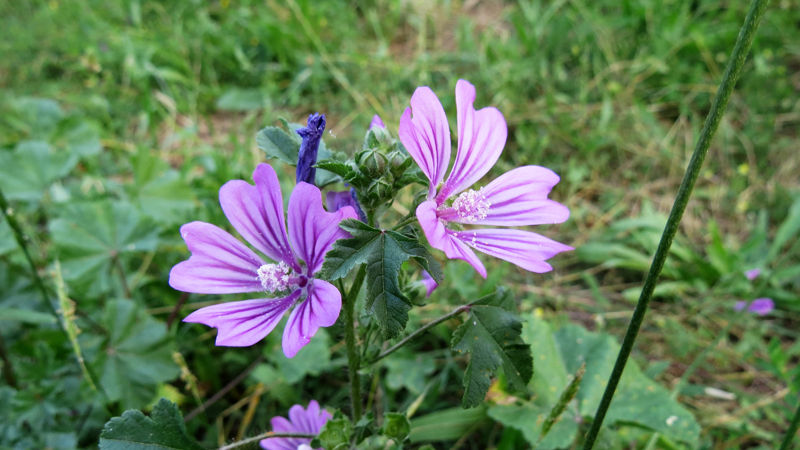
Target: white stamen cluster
[[471, 206], [275, 277]]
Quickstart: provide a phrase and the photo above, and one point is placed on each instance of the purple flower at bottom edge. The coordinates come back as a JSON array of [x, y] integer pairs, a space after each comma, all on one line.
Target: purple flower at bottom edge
[[300, 420], [760, 306], [517, 198], [376, 122], [336, 200], [752, 274], [220, 264]]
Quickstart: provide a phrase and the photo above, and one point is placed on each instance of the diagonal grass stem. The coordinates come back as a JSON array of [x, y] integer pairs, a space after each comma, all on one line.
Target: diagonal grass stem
[[735, 63], [792, 431]]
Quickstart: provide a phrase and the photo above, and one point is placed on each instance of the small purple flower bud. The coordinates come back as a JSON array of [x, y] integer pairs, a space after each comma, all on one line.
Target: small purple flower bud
[[337, 200], [311, 135], [760, 306], [752, 274], [429, 282], [376, 122]]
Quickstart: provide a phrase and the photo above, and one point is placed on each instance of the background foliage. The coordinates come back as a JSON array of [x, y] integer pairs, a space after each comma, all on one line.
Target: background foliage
[[120, 120]]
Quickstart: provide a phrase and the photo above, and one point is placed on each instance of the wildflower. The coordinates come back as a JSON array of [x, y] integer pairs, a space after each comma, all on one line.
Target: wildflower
[[752, 274], [517, 198], [376, 122], [760, 306], [337, 200], [307, 157], [220, 264], [429, 283], [301, 420]]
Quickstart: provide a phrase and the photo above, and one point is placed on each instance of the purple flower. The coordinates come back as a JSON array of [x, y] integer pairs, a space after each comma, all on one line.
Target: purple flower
[[220, 264], [301, 420], [516, 198], [307, 157], [760, 306], [429, 283], [376, 122], [752, 274], [337, 200]]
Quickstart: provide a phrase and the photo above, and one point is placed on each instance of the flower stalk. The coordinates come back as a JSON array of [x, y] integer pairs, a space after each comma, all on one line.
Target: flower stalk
[[735, 63], [353, 357]]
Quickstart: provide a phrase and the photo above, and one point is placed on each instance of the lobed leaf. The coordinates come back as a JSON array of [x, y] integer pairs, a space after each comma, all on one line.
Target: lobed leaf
[[491, 335], [277, 143], [164, 429]]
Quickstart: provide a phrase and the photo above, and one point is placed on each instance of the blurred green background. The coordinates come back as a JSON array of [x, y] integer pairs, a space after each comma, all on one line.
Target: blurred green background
[[120, 120]]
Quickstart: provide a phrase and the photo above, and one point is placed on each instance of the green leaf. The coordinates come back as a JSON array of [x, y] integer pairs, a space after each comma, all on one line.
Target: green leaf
[[164, 429], [237, 99], [25, 316], [339, 168], [384, 252], [83, 140], [167, 199], [7, 241], [447, 425], [134, 357], [90, 235], [492, 335], [639, 400], [788, 229], [410, 372], [313, 359], [31, 168], [279, 144]]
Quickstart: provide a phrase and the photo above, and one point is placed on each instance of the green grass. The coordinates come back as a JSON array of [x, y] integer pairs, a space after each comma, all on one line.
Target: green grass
[[167, 98]]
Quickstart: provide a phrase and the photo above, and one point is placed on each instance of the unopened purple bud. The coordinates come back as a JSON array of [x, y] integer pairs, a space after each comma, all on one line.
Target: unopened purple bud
[[752, 274], [429, 282], [376, 122], [760, 306], [311, 135], [337, 200]]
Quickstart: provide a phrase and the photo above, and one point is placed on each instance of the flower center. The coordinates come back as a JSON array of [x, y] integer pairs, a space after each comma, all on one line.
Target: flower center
[[276, 277], [471, 206]]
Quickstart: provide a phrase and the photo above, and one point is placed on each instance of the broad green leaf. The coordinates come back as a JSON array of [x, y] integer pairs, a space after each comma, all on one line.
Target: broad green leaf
[[491, 334], [25, 316], [409, 371], [31, 168], [167, 199], [339, 168], [7, 241], [383, 251], [277, 143], [163, 430], [638, 400], [83, 140], [134, 357], [447, 425], [313, 359], [90, 235]]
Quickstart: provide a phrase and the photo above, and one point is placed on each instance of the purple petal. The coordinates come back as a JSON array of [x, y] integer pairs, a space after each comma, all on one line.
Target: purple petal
[[760, 306], [429, 283], [310, 420], [219, 263], [427, 135], [257, 213], [376, 122], [519, 198], [320, 309], [444, 239], [481, 137], [525, 249], [752, 274], [244, 323], [313, 230]]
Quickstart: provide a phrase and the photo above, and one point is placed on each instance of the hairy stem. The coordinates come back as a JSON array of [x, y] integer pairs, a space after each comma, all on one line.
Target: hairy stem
[[735, 63], [20, 238], [353, 357], [417, 333], [268, 435]]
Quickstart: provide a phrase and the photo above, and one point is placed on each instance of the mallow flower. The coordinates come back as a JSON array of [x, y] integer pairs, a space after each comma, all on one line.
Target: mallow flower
[[300, 420], [760, 306], [220, 264], [516, 198]]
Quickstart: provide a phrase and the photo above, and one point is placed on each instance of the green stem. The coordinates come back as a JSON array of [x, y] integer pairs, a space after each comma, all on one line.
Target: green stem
[[353, 357], [735, 63], [20, 238], [416, 334], [268, 435], [792, 431]]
